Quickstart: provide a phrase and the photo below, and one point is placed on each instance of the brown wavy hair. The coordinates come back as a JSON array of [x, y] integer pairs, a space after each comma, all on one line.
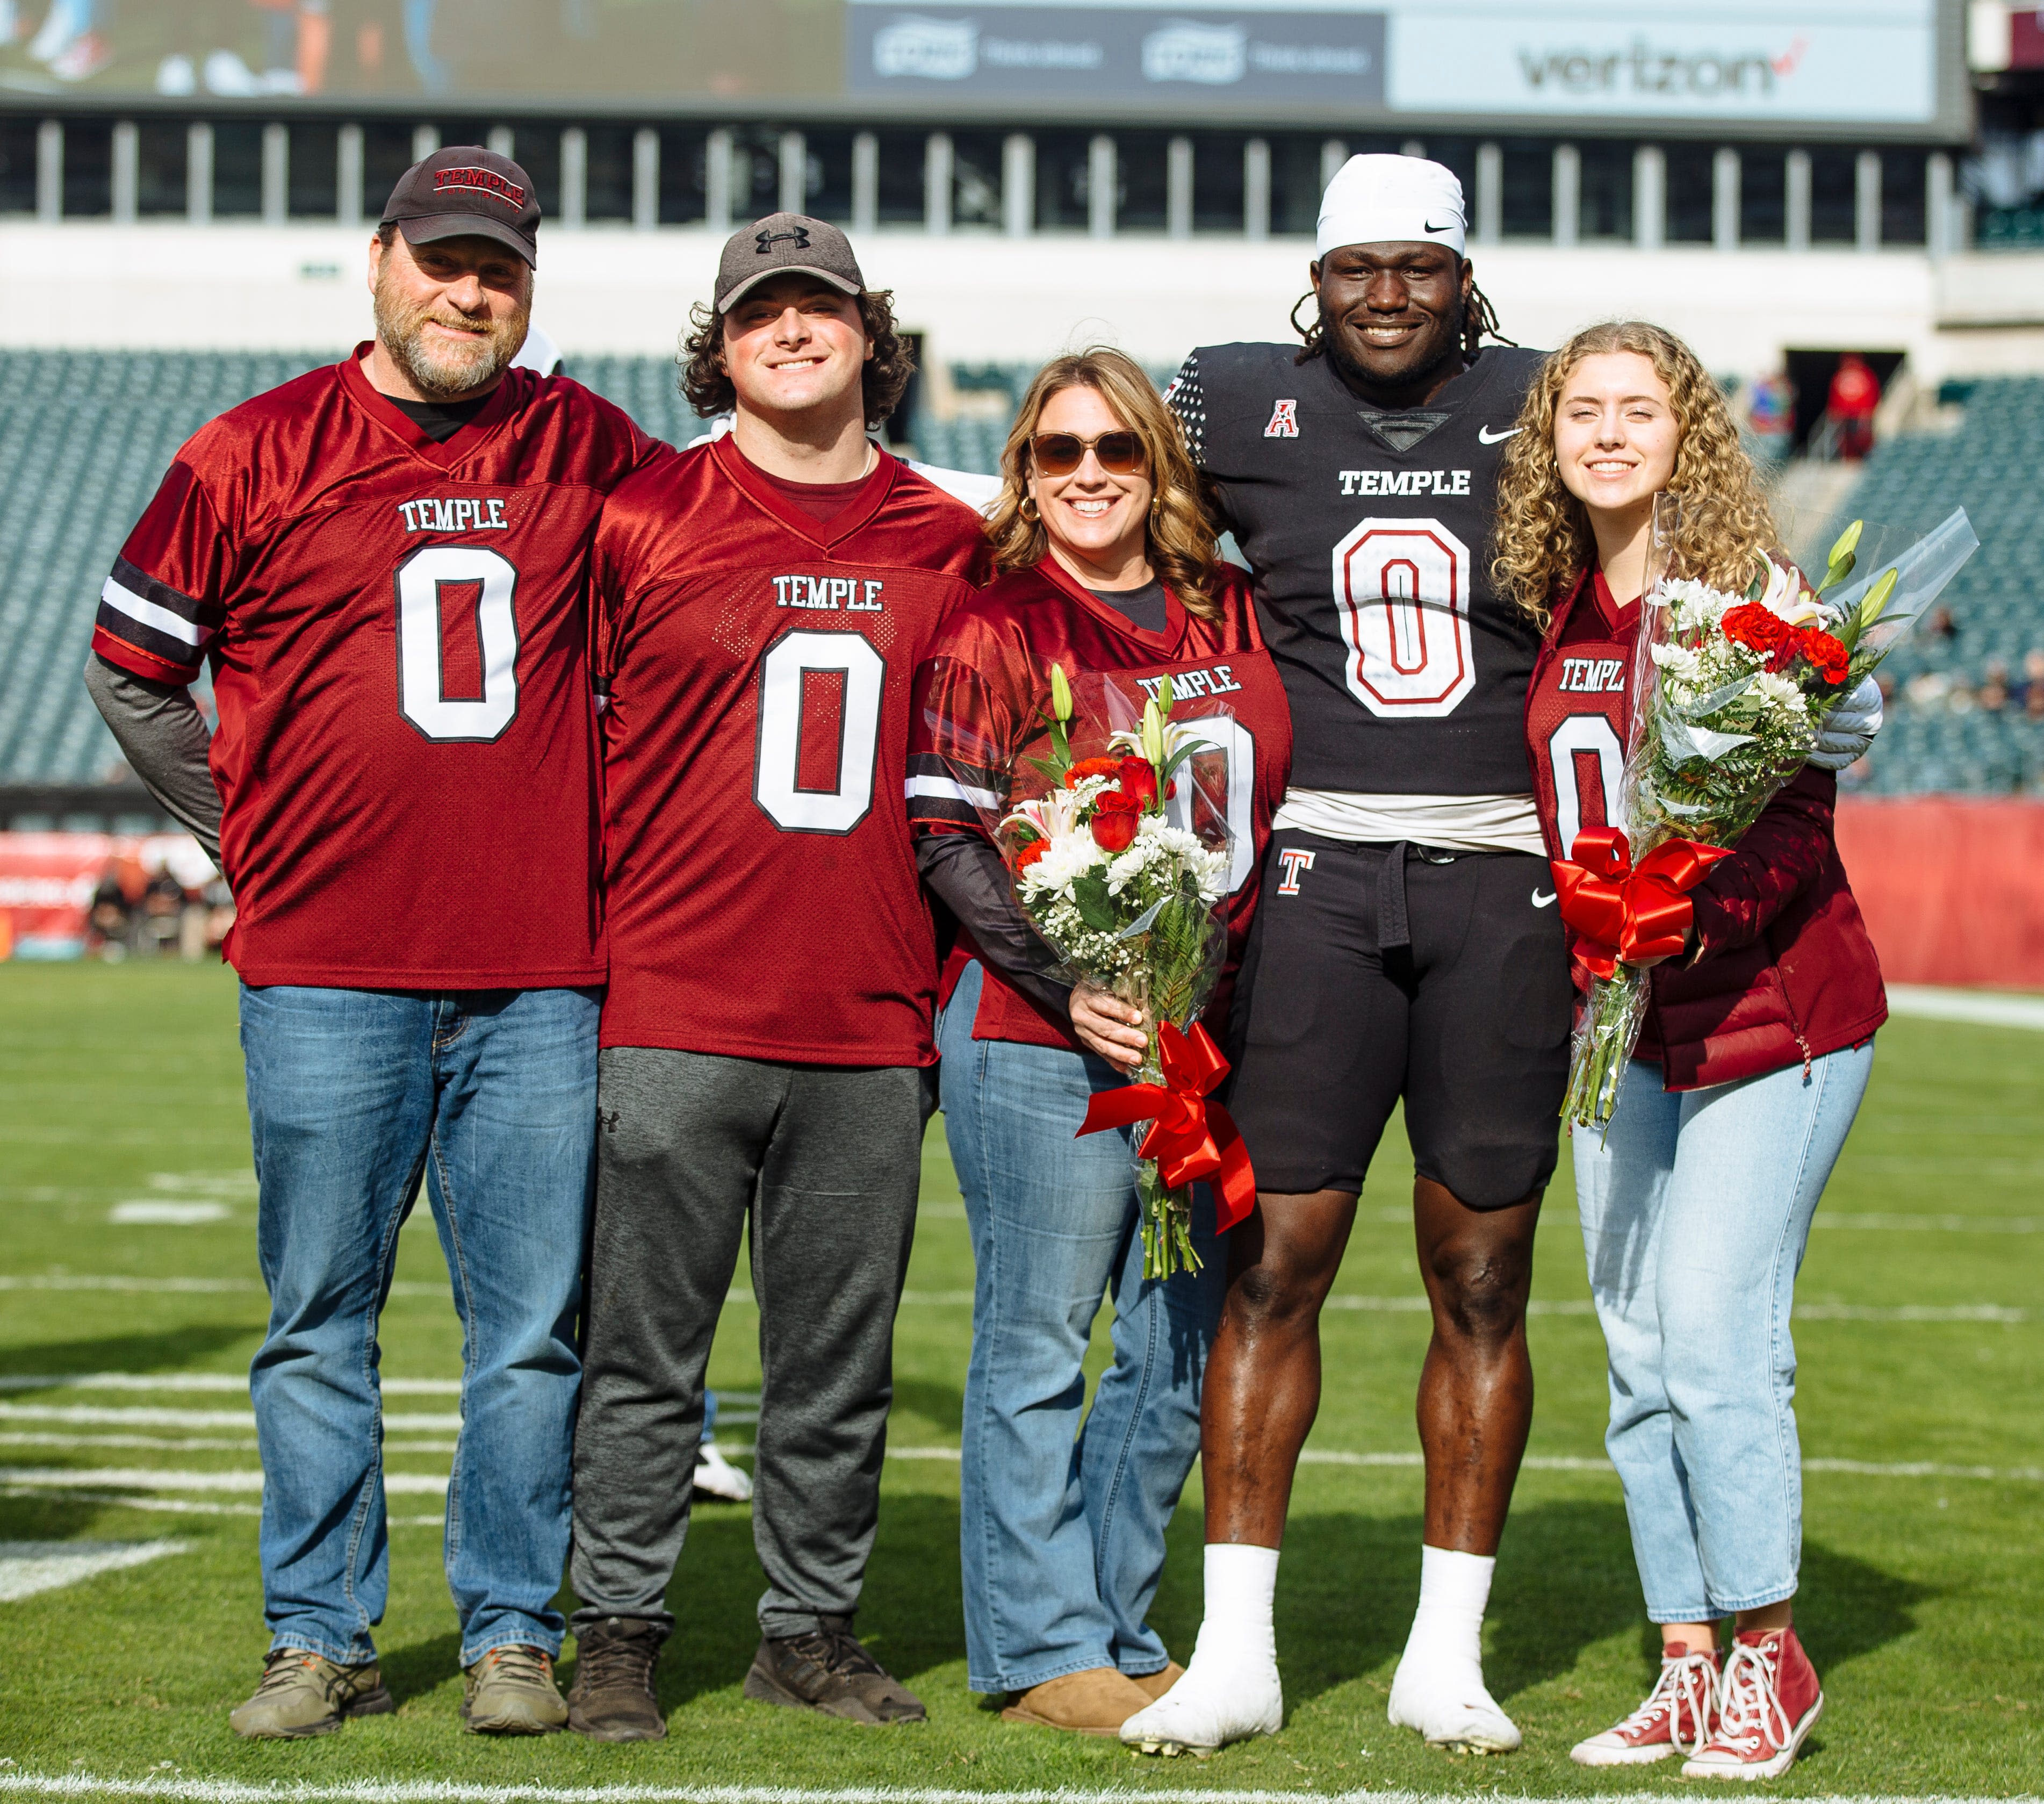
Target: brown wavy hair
[[707, 383], [1181, 537], [1541, 541]]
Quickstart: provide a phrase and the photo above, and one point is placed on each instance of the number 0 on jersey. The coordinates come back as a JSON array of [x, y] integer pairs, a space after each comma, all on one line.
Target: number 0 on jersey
[[1402, 589]]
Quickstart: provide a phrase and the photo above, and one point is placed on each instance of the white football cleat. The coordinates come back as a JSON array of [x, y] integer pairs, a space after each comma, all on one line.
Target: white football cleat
[[1216, 1702], [1451, 1707], [716, 1476]]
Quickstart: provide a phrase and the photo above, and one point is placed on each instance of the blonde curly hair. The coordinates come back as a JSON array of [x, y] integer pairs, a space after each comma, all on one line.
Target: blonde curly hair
[[1181, 540], [1541, 541]]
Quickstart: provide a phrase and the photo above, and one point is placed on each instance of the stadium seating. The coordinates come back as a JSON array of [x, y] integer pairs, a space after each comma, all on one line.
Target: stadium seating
[[85, 437], [1990, 466]]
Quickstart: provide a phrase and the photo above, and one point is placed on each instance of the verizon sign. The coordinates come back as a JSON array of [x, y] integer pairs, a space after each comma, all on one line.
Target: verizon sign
[[1729, 61]]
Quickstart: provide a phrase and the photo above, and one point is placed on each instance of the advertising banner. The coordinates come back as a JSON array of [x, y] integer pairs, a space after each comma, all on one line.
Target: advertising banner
[[1825, 62], [1730, 61], [1119, 52]]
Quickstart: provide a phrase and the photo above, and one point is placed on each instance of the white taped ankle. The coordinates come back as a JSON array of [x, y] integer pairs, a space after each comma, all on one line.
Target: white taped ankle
[[1241, 1591], [1455, 1589]]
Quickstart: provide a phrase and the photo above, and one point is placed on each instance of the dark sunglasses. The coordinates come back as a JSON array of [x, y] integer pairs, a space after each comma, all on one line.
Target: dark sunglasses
[[1059, 454]]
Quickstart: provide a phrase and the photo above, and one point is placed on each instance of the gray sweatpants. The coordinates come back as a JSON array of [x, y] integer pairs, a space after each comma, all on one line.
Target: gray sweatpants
[[825, 1159]]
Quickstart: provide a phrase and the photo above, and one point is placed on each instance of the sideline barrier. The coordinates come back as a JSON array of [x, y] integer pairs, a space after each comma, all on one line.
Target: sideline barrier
[[47, 882], [1952, 887]]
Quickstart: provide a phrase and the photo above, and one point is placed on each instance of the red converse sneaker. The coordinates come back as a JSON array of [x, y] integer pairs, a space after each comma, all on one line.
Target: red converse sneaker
[[1769, 1700], [1678, 1716]]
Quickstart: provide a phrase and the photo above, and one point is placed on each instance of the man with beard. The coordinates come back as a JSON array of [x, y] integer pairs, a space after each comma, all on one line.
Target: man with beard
[[1406, 947], [383, 561]]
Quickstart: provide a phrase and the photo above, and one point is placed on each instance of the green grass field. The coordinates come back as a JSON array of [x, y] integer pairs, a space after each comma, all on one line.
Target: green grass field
[[1921, 1334]]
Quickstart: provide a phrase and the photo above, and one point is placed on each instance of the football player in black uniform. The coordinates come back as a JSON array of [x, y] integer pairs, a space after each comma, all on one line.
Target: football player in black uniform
[[1407, 945]]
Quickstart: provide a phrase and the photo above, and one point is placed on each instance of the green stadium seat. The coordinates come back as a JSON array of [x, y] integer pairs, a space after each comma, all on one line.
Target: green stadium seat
[[85, 437]]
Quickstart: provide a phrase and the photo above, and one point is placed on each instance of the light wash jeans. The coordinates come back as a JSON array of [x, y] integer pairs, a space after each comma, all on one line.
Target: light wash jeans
[[1696, 1213], [352, 1094], [1061, 1526]]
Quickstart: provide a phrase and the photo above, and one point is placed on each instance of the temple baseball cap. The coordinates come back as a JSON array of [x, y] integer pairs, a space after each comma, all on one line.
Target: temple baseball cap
[[785, 244], [463, 191]]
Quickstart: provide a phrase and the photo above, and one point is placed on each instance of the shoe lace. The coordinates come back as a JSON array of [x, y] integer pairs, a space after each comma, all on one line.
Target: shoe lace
[[837, 1650], [619, 1660], [1689, 1683], [282, 1668], [521, 1664], [1749, 1710]]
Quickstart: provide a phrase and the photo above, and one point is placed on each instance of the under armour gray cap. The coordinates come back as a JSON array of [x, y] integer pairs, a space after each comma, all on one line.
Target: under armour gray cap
[[785, 244]]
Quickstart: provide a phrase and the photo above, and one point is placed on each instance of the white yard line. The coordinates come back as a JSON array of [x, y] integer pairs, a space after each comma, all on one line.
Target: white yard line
[[28, 1568], [455, 1791], [1983, 1008], [110, 1416]]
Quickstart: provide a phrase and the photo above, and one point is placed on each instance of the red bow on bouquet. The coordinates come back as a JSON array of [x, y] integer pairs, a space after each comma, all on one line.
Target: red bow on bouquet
[[1190, 1137], [1627, 912]]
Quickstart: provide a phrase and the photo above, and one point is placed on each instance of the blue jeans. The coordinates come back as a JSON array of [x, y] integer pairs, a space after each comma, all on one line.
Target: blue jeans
[[352, 1094], [1696, 1214], [1061, 1526]]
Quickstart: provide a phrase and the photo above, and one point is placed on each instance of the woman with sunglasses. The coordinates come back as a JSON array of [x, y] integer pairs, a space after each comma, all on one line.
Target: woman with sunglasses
[[1108, 566]]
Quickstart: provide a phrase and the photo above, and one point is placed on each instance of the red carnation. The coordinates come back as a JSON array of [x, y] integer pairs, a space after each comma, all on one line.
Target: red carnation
[[1114, 819], [1030, 853], [1138, 778], [1831, 658], [1087, 768], [1760, 629]]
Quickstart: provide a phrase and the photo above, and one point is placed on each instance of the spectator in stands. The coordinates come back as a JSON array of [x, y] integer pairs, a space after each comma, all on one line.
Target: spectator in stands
[[2034, 702], [107, 920], [1770, 415], [1855, 394], [2024, 694], [1993, 695], [1941, 625]]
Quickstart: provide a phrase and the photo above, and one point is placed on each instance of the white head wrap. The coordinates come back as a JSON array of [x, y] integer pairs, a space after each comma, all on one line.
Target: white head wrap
[[1380, 200]]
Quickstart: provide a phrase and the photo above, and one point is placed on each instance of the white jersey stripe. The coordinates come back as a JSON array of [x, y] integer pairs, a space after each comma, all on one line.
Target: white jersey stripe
[[943, 789], [148, 614]]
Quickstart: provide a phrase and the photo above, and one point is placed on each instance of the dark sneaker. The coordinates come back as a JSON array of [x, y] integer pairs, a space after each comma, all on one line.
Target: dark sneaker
[[827, 1670], [612, 1699], [305, 1694], [511, 1691]]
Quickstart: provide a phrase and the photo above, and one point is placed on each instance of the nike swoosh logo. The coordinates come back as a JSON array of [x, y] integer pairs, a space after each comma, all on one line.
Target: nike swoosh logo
[[1540, 900], [1485, 435], [1450, 226]]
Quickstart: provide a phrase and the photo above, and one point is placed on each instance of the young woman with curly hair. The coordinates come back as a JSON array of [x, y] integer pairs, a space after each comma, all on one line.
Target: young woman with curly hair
[[1108, 569], [1696, 1205]]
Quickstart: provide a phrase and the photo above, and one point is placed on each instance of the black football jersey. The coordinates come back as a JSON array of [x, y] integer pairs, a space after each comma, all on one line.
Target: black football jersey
[[1367, 534]]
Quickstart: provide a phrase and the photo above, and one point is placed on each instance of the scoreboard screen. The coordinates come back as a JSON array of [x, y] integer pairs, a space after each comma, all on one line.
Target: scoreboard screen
[[1826, 66]]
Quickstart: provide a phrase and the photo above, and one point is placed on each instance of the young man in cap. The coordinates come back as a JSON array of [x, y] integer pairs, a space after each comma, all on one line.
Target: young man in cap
[[383, 563], [764, 601], [1411, 950]]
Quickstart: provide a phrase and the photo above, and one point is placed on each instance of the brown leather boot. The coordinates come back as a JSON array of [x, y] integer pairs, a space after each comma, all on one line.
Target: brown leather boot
[[1153, 1685], [1096, 1702]]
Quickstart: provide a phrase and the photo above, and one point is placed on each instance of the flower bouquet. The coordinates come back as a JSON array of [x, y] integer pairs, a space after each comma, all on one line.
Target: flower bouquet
[[1730, 691], [1121, 862]]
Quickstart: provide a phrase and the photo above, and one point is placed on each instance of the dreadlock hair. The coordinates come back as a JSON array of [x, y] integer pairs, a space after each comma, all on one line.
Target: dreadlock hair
[[1479, 322]]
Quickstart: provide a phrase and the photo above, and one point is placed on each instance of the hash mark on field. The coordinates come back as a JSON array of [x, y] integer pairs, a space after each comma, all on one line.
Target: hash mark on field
[[29, 1567], [166, 1212]]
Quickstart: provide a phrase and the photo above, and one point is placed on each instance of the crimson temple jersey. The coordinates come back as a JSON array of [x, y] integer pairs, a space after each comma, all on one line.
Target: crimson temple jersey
[[763, 898], [983, 701], [399, 633], [1578, 713], [1366, 531]]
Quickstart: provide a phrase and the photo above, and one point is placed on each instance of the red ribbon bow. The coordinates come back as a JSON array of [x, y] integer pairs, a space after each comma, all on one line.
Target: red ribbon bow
[[1629, 912], [1190, 1137]]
